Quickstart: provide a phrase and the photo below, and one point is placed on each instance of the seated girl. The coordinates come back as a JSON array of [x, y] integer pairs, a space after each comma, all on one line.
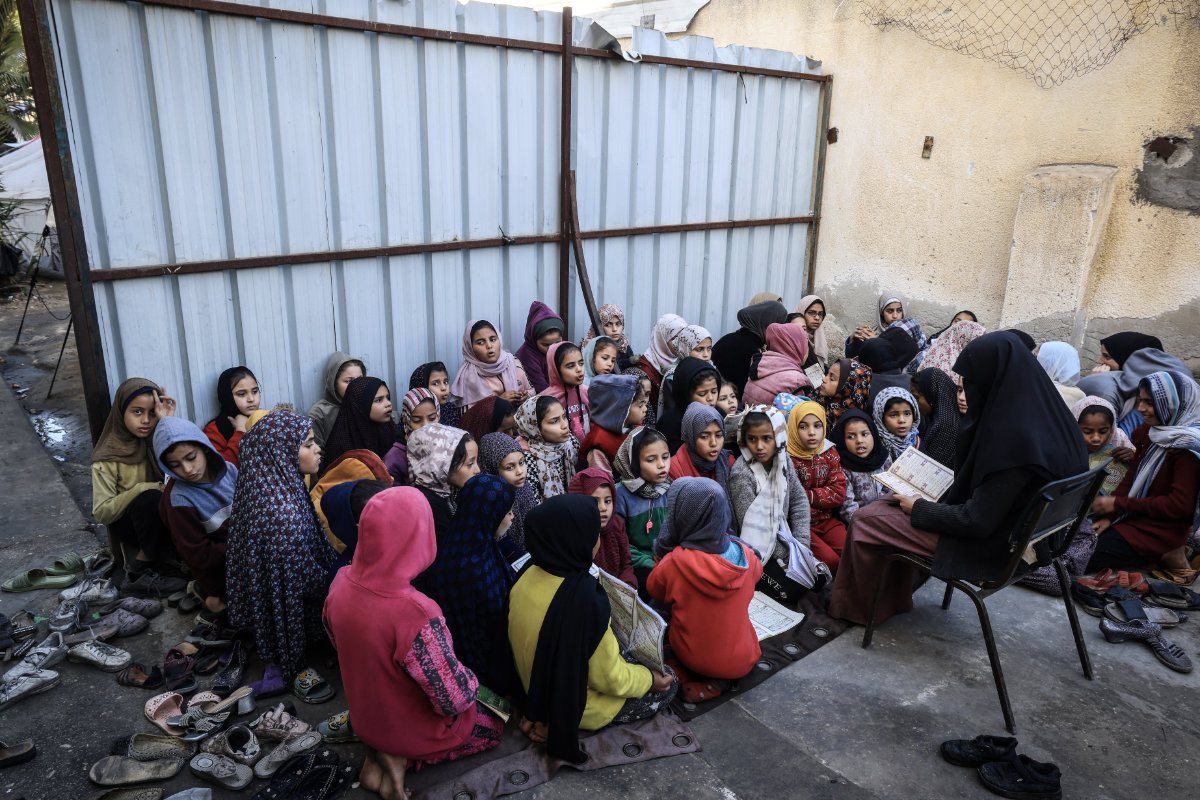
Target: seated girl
[[707, 578], [441, 460], [1018, 436], [819, 469], [196, 504], [937, 406], [489, 415], [897, 420], [340, 369], [613, 556], [488, 370], [564, 368], [127, 488], [562, 642], [890, 308], [694, 341], [862, 454], [543, 328], [600, 356], [847, 385], [780, 368], [1150, 516], [418, 409], [550, 461], [618, 403], [612, 325], [888, 355], [470, 579], [1120, 387], [396, 652], [733, 352], [945, 351], [1116, 349], [961, 315], [658, 358], [1104, 440], [501, 455], [364, 422], [695, 381], [278, 563], [727, 398], [643, 466], [811, 311], [1061, 362], [237, 397], [703, 453], [434, 377], [341, 509]]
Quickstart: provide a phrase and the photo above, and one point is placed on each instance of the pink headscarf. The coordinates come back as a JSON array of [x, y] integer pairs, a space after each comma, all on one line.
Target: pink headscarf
[[945, 349], [781, 367], [817, 337], [659, 352], [470, 384]]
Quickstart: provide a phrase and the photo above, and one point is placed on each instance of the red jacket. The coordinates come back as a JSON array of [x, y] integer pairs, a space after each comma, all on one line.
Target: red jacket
[[682, 466], [227, 448], [710, 627], [607, 442], [825, 482], [1162, 520]]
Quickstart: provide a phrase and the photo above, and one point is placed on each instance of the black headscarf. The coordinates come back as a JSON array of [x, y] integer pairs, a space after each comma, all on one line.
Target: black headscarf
[[353, 429], [698, 518], [559, 535], [850, 461], [1015, 417], [757, 317], [891, 350], [1024, 338], [225, 398], [1122, 345], [670, 422], [939, 430]]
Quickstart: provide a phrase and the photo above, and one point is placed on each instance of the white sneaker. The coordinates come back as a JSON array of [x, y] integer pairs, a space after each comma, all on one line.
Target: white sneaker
[[18, 687], [100, 655], [96, 591], [50, 652]]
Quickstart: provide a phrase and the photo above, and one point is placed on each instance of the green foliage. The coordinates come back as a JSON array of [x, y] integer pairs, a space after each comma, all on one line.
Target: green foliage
[[17, 115]]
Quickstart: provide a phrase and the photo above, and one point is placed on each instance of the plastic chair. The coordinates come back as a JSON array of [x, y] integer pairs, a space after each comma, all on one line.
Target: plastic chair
[[1043, 532]]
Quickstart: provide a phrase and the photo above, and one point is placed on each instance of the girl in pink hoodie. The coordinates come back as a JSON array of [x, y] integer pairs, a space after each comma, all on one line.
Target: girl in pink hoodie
[[565, 370], [780, 368]]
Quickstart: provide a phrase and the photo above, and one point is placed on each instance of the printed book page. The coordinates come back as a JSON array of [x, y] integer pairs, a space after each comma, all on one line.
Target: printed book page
[[815, 375], [769, 618], [915, 474]]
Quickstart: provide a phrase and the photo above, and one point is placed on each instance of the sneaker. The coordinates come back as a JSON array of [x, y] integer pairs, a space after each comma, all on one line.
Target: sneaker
[[71, 615], [25, 684], [206, 617], [51, 651], [96, 591], [101, 656], [149, 583], [238, 743], [212, 635]]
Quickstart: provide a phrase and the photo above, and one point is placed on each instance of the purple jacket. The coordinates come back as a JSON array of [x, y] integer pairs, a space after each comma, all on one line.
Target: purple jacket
[[533, 359]]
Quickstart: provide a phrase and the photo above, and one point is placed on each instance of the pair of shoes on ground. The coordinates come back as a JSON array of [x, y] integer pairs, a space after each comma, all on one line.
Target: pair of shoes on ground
[[1003, 770], [55, 648], [1166, 651], [63, 572]]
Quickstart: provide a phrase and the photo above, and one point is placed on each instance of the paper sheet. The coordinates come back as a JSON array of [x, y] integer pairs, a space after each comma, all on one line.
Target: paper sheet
[[769, 618], [915, 474]]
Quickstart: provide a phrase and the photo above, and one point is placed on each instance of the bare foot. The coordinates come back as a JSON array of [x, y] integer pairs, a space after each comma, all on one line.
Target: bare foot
[[371, 776], [1176, 559], [394, 767], [536, 731], [214, 604]]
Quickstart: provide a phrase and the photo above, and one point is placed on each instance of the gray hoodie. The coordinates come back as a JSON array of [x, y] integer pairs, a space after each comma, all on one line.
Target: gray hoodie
[[325, 411]]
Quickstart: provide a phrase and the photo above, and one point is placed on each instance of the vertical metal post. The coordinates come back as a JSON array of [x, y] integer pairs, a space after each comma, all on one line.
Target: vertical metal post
[[564, 171], [814, 228], [52, 124]]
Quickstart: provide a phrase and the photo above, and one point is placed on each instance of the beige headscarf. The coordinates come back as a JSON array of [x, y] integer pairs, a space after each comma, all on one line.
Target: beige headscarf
[[765, 297], [817, 337], [116, 442]]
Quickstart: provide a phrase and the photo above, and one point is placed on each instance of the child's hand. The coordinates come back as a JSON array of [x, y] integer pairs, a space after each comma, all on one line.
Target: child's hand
[[1123, 454], [1101, 525], [514, 397], [863, 332], [1101, 368], [238, 422], [163, 406], [1104, 505], [662, 682]]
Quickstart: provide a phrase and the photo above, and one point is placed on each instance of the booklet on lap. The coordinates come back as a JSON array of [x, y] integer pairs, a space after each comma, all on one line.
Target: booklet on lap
[[915, 474]]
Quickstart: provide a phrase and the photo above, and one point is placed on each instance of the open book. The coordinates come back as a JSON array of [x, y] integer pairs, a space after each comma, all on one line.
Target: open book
[[639, 628], [815, 375], [915, 474], [770, 618]]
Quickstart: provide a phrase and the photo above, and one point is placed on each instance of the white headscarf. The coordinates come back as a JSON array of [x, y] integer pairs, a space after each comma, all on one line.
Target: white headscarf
[[659, 352], [817, 338], [1060, 361]]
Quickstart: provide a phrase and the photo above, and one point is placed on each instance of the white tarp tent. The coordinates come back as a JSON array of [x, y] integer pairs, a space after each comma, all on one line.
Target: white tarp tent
[[23, 181]]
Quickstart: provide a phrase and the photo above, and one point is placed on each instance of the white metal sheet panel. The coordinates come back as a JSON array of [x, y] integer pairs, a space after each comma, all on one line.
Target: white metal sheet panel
[[207, 136]]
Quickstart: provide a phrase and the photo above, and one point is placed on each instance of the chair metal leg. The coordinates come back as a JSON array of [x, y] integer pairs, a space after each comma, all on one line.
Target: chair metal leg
[[887, 565], [1064, 583], [993, 656], [947, 596]]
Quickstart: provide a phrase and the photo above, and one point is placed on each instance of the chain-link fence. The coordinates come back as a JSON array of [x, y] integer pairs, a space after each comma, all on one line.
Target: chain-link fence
[[1051, 41]]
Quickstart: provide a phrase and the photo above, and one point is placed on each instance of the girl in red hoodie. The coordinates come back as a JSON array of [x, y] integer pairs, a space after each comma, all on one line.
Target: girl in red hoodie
[[819, 468], [618, 405], [708, 578]]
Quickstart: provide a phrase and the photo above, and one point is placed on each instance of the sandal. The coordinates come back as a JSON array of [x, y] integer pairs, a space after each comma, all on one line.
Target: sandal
[[277, 724], [160, 707], [271, 683], [178, 671], [1179, 577], [34, 579], [151, 746], [337, 729], [1170, 595], [19, 753], [70, 564], [222, 770], [122, 771], [286, 780], [1090, 600], [1126, 606], [231, 677], [137, 677], [310, 687], [1132, 581]]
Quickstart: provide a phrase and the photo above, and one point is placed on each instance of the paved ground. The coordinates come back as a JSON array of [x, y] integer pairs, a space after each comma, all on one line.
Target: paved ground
[[842, 723]]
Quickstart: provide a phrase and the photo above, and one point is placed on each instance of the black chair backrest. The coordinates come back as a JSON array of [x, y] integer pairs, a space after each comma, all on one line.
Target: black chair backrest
[[1048, 523]]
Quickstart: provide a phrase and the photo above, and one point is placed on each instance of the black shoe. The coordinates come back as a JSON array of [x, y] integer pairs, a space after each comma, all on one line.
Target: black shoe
[[979, 751], [147, 583], [1022, 778]]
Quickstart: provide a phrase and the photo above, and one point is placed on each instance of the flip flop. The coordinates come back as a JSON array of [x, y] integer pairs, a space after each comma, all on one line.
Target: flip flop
[[310, 687], [163, 706], [1132, 581], [34, 579], [1170, 595], [1132, 608], [70, 564], [1105, 579], [15, 754], [1179, 577]]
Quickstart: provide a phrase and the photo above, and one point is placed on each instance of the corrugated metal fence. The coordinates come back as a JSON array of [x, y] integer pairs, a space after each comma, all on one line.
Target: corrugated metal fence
[[264, 184]]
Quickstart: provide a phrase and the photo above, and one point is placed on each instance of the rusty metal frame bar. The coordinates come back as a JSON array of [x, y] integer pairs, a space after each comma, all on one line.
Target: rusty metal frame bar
[[564, 166], [56, 148], [814, 229]]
